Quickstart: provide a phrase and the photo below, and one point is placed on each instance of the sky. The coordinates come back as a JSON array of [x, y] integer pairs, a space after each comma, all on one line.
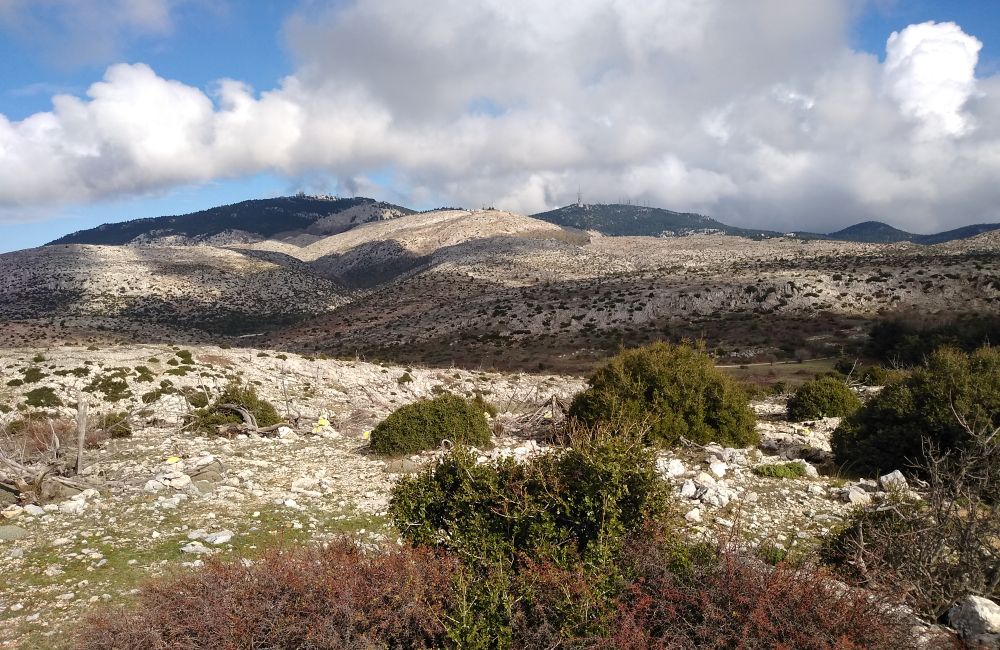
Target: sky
[[778, 114]]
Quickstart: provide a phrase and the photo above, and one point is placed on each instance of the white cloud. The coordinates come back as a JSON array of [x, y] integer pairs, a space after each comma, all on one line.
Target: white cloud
[[930, 70], [755, 112]]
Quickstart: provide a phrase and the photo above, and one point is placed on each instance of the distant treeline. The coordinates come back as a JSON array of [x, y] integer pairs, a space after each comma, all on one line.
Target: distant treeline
[[906, 341]]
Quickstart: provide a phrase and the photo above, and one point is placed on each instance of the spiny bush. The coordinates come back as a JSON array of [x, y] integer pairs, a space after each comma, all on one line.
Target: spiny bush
[[887, 432], [824, 397], [208, 418], [780, 470], [337, 597], [672, 389], [426, 423]]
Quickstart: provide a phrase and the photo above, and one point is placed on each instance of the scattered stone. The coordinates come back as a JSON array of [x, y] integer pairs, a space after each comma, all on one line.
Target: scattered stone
[[221, 537], [718, 468], [693, 516], [975, 616], [894, 481], [34, 511], [407, 466], [196, 548], [12, 533], [856, 496]]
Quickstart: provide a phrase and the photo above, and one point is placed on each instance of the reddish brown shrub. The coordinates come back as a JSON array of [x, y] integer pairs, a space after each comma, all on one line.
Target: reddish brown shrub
[[740, 602], [338, 597]]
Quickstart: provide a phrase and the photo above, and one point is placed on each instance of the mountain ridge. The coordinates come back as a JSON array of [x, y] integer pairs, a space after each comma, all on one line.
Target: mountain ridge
[[302, 220]]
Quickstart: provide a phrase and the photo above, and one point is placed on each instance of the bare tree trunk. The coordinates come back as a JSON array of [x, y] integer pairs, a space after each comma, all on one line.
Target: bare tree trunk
[[81, 429]]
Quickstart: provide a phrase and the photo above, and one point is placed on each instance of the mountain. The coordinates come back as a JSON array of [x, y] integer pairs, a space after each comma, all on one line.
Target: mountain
[[872, 232], [297, 219], [877, 232], [635, 220]]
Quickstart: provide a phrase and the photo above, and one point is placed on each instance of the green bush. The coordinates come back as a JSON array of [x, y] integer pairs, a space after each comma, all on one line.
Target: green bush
[[880, 376], [115, 424], [780, 470], [33, 375], [825, 397], [43, 397], [574, 502], [887, 432], [424, 424], [675, 391], [207, 419]]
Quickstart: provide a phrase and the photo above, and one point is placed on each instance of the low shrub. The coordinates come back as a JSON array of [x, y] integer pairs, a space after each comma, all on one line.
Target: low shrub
[[426, 423], [337, 597], [114, 424], [887, 432], [937, 548], [879, 376], [42, 397], [824, 397], [780, 470], [675, 391], [603, 487], [207, 419], [33, 375]]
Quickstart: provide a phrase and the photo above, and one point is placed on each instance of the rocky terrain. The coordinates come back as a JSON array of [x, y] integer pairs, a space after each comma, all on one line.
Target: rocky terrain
[[167, 498], [489, 288]]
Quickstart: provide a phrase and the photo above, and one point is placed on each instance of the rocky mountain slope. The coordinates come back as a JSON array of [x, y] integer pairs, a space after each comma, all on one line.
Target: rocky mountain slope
[[492, 287], [200, 287], [299, 219]]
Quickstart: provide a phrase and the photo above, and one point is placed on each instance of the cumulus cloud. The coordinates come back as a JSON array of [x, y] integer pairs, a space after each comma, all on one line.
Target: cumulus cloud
[[756, 112], [930, 70]]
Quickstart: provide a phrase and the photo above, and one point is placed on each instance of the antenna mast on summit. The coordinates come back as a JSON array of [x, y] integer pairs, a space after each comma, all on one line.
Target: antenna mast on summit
[[579, 197]]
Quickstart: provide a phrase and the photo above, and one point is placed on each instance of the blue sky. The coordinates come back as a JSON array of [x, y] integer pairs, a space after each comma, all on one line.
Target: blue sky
[[46, 53]]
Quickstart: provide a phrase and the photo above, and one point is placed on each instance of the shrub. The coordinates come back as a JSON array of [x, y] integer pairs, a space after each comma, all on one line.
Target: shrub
[[114, 424], [879, 376], [14, 383], [424, 424], [907, 342], [208, 418], [825, 397], [780, 470], [603, 487], [337, 597], [33, 375], [740, 602], [43, 397], [672, 389], [405, 378], [941, 547], [886, 433]]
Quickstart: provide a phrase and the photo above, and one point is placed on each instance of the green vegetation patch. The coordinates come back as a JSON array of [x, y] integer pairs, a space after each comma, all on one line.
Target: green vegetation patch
[[887, 433], [780, 470], [43, 397], [426, 423], [824, 397], [675, 391], [205, 420]]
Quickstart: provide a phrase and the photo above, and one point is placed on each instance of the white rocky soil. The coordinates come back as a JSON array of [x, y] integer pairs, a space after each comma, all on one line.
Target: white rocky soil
[[167, 498]]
